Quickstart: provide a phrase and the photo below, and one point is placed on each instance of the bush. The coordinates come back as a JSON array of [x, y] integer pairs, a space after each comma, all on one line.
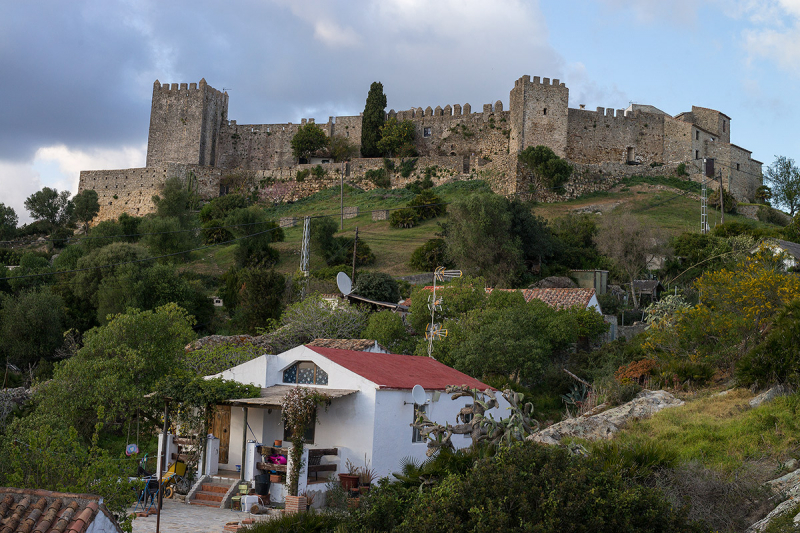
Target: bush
[[310, 522], [218, 208], [427, 205], [407, 166], [377, 286], [213, 232], [771, 216], [546, 165], [9, 257], [318, 172], [776, 360], [429, 256], [529, 487], [302, 175], [730, 201], [379, 177], [404, 218], [680, 170]]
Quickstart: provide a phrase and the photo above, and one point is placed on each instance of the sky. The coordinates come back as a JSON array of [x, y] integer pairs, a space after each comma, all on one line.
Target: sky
[[76, 77]]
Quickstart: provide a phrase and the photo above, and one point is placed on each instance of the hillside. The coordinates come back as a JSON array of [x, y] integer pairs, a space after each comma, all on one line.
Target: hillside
[[655, 200]]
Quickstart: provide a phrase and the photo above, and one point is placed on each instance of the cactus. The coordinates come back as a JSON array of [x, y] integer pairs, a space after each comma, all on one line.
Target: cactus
[[481, 428]]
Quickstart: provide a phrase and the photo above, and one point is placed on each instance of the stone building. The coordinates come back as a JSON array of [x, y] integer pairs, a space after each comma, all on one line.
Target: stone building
[[191, 137]]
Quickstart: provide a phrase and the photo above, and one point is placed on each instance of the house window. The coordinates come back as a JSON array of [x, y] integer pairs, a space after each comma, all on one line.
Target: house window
[[417, 435], [426, 132], [308, 438], [305, 373]]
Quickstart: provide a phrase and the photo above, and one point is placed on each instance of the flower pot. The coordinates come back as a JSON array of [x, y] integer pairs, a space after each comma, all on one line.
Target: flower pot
[[348, 481], [277, 443], [363, 489], [295, 504], [274, 478]]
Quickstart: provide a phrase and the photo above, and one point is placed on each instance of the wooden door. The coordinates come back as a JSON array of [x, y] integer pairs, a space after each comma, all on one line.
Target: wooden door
[[221, 428]]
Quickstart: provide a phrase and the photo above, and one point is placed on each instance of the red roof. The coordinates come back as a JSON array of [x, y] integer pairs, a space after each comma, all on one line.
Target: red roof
[[396, 371], [42, 510]]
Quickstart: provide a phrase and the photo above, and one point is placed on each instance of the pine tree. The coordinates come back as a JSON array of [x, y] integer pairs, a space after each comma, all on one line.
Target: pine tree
[[373, 119]]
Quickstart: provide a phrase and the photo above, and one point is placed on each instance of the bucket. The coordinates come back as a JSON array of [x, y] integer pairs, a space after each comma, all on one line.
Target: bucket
[[262, 484]]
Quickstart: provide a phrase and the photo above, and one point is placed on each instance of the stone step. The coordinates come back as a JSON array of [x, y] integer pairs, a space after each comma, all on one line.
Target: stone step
[[214, 487], [208, 496], [215, 505]]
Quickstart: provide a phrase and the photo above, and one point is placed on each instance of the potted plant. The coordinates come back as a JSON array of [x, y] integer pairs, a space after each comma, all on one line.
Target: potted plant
[[297, 410], [366, 477], [350, 479]]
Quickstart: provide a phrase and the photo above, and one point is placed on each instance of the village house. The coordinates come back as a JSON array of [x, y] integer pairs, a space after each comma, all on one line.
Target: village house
[[368, 419]]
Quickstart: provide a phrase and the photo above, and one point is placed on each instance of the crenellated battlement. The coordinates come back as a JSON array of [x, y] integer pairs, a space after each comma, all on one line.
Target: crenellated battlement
[[544, 82], [168, 88]]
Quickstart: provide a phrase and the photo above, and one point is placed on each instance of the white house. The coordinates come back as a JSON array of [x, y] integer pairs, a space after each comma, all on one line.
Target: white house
[[369, 416]]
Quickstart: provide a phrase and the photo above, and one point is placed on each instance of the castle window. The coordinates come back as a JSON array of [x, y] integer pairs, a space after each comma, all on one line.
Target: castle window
[[426, 132], [723, 126], [737, 166], [697, 135], [697, 154], [544, 112]]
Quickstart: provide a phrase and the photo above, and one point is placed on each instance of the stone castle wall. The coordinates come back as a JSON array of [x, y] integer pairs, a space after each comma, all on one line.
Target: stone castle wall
[[191, 137]]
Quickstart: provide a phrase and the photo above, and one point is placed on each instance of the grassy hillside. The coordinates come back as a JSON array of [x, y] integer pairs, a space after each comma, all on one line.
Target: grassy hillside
[[655, 200]]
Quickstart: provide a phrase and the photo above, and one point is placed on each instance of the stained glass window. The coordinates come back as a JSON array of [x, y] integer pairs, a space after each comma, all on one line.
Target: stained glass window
[[305, 373]]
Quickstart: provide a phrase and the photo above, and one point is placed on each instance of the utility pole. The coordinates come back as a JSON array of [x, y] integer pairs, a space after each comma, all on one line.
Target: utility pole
[[341, 199], [721, 198], [355, 246]]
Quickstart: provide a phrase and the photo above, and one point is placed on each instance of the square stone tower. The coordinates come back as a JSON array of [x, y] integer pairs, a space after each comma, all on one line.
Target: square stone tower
[[539, 112], [185, 122]]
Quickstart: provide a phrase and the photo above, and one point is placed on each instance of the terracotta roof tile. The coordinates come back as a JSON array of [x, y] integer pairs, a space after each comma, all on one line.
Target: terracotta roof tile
[[356, 345], [395, 371], [43, 511], [560, 298]]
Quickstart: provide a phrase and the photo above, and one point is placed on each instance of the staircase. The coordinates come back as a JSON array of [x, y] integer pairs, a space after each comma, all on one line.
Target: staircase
[[211, 493]]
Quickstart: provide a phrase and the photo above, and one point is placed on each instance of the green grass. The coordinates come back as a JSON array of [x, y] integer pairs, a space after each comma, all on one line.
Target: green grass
[[722, 431], [669, 181]]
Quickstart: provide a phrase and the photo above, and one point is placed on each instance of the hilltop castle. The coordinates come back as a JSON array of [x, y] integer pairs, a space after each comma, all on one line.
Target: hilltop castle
[[191, 137]]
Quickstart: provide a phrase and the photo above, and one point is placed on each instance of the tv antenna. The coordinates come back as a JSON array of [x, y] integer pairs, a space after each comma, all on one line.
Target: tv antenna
[[434, 331]]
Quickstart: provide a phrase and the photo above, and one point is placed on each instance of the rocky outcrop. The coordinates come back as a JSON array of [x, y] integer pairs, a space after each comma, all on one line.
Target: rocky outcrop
[[787, 486], [607, 423], [769, 395]]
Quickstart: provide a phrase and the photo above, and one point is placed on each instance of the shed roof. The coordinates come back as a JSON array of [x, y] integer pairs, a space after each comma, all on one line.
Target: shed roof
[[558, 297], [26, 510], [273, 396], [396, 371], [790, 247]]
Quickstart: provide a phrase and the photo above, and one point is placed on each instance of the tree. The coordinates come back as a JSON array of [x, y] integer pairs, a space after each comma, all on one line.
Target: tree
[[117, 366], [397, 139], [255, 232], [116, 258], [545, 165], [387, 328], [630, 244], [308, 139], [174, 201], [259, 297], [50, 205], [163, 236], [783, 177], [8, 222], [429, 256], [378, 286], [315, 318], [31, 326], [491, 236], [86, 207], [372, 121], [341, 148]]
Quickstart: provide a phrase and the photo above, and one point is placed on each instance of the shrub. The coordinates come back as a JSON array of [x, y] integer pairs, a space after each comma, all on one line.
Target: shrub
[[776, 360], [546, 165], [528, 487], [218, 208], [730, 201], [302, 174], [771, 216], [427, 205], [680, 170], [318, 172], [9, 257], [378, 286], [637, 371], [213, 232], [404, 218], [407, 166], [429, 256], [310, 522], [379, 177]]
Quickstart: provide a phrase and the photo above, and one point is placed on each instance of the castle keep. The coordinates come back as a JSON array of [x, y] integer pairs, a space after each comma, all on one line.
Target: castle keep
[[191, 137]]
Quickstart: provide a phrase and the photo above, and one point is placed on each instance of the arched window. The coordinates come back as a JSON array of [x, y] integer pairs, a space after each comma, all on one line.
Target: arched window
[[305, 373]]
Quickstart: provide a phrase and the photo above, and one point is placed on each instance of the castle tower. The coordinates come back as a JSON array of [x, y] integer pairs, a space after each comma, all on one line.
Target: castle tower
[[539, 115], [185, 123]]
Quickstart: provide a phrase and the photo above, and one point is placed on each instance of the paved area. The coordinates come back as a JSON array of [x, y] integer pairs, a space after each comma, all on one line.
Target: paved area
[[178, 517]]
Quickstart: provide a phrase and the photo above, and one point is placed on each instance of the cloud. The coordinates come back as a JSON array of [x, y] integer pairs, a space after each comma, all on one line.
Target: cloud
[[59, 167], [675, 11]]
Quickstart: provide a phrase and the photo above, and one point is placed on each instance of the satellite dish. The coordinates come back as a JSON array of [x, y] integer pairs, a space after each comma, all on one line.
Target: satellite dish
[[418, 393], [344, 283]]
